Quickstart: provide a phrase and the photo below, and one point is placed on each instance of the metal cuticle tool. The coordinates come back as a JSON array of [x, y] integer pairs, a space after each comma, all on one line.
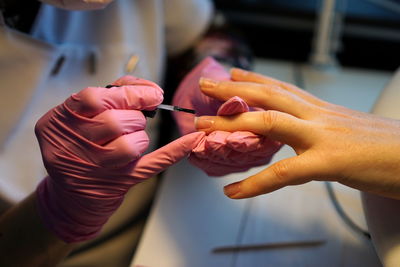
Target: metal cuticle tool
[[152, 113], [176, 108]]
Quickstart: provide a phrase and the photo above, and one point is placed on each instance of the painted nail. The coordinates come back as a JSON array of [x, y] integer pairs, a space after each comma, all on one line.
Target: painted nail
[[207, 83], [232, 189], [203, 123]]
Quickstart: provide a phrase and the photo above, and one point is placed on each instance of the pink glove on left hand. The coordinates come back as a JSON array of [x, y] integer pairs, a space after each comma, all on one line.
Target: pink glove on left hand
[[188, 94], [91, 147]]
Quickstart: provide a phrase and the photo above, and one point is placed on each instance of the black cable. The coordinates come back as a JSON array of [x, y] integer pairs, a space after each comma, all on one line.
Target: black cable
[[343, 215]]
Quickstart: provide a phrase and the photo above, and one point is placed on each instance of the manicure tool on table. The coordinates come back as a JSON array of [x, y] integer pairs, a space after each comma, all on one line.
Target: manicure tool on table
[[152, 113]]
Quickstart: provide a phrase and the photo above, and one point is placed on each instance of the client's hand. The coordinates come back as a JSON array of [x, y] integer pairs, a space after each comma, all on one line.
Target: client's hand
[[332, 142], [220, 152], [91, 147]]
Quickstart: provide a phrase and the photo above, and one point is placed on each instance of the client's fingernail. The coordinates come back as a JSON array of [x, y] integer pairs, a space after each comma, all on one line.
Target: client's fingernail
[[238, 72], [207, 83], [203, 123], [232, 189]]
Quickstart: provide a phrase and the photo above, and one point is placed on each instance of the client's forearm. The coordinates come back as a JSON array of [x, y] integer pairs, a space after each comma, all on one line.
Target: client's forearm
[[24, 241]]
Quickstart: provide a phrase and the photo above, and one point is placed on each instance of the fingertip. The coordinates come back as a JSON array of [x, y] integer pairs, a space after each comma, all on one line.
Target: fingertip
[[188, 142], [87, 102], [200, 134], [237, 73], [196, 137], [204, 123], [207, 85], [125, 149], [233, 106], [233, 190], [144, 90], [144, 96]]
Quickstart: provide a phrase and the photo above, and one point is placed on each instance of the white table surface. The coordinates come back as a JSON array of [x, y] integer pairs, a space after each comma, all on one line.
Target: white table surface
[[191, 216]]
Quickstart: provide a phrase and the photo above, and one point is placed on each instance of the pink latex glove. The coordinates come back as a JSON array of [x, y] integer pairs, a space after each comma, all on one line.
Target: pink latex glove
[[188, 94], [91, 147], [221, 153]]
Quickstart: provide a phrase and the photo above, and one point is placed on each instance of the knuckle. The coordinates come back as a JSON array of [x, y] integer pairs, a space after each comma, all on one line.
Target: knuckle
[[131, 151], [90, 100], [254, 187], [124, 148], [269, 119], [225, 89], [112, 123], [281, 171], [270, 90], [258, 78]]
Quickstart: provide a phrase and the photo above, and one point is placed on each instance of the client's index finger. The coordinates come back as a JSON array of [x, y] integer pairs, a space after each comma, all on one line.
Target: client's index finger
[[248, 76], [277, 125], [268, 97]]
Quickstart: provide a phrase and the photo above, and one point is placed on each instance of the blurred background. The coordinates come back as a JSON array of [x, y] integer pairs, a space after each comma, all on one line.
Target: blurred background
[[364, 34]]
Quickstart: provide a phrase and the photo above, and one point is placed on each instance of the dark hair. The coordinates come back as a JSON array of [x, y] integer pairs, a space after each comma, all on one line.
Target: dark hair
[[19, 14]]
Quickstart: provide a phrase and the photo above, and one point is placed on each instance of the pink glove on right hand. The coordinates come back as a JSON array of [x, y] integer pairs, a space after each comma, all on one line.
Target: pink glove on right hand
[[91, 147]]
